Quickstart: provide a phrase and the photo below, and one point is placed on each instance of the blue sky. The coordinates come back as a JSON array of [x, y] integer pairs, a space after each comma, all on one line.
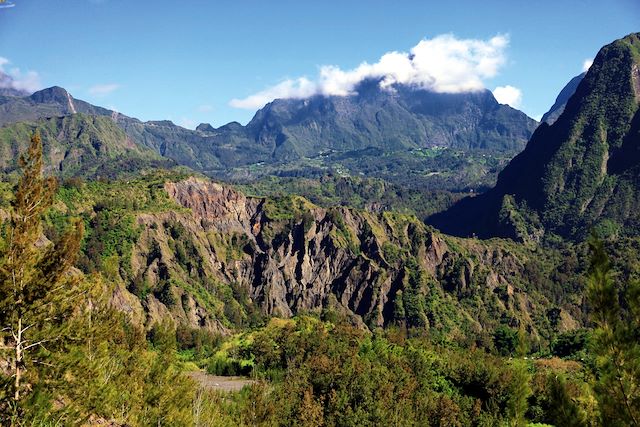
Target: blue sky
[[186, 61]]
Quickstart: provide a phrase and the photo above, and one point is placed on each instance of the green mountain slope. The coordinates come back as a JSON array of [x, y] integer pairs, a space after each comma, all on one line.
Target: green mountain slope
[[79, 145], [581, 172]]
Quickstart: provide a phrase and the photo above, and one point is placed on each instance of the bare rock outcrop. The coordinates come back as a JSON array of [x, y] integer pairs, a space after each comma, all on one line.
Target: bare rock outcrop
[[289, 256]]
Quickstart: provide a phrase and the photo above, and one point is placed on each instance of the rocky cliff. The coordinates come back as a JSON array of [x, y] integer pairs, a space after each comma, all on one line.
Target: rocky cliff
[[227, 257]]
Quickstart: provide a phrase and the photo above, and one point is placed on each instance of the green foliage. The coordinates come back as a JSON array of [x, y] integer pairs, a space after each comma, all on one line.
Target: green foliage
[[37, 293], [519, 392], [144, 193], [570, 343], [413, 296], [228, 367], [563, 410], [505, 340], [333, 374], [70, 357], [111, 235], [200, 342], [392, 253], [343, 235], [230, 247], [519, 221], [108, 372], [280, 208], [616, 341]]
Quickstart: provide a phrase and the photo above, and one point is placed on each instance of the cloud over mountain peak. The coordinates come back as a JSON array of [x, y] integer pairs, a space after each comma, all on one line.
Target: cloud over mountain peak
[[15, 79], [441, 64]]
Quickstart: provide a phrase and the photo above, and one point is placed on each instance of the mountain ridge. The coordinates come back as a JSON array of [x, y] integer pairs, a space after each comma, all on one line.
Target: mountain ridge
[[79, 145], [561, 100], [292, 130], [575, 174]]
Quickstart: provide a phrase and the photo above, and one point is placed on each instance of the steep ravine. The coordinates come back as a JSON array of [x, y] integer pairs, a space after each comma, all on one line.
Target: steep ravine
[[288, 256]]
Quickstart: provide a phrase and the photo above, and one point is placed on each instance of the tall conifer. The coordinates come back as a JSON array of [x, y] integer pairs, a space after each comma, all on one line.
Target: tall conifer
[[616, 341], [36, 289]]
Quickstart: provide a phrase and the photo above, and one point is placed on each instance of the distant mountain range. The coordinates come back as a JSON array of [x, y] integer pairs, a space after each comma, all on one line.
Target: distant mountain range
[[79, 145], [402, 118], [322, 133], [561, 101], [575, 175]]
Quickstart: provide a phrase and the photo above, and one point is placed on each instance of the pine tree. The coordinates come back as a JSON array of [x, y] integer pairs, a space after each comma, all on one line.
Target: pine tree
[[616, 341], [563, 411], [519, 392], [36, 289]]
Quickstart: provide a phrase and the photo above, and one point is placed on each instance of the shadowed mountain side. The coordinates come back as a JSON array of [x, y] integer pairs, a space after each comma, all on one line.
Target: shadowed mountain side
[[579, 173]]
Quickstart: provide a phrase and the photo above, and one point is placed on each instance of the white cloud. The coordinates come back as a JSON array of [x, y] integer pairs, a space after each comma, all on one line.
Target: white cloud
[[587, 64], [441, 64], [299, 88], [103, 89], [508, 95], [28, 82]]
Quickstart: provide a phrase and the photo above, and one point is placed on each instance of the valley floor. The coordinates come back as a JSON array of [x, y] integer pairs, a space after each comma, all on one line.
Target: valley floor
[[218, 382]]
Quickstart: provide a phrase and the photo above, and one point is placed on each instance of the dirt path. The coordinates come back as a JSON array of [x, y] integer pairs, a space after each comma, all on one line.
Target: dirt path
[[215, 382]]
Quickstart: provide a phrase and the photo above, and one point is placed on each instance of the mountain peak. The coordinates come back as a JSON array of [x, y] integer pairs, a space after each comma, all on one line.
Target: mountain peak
[[574, 175], [54, 94], [205, 127], [232, 127], [561, 100], [399, 117]]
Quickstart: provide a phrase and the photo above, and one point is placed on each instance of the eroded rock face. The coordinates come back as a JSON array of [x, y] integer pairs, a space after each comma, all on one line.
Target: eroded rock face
[[299, 257], [214, 205], [295, 269]]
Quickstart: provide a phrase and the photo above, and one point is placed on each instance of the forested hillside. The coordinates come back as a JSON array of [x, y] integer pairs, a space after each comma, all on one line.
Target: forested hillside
[[575, 175], [185, 273]]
